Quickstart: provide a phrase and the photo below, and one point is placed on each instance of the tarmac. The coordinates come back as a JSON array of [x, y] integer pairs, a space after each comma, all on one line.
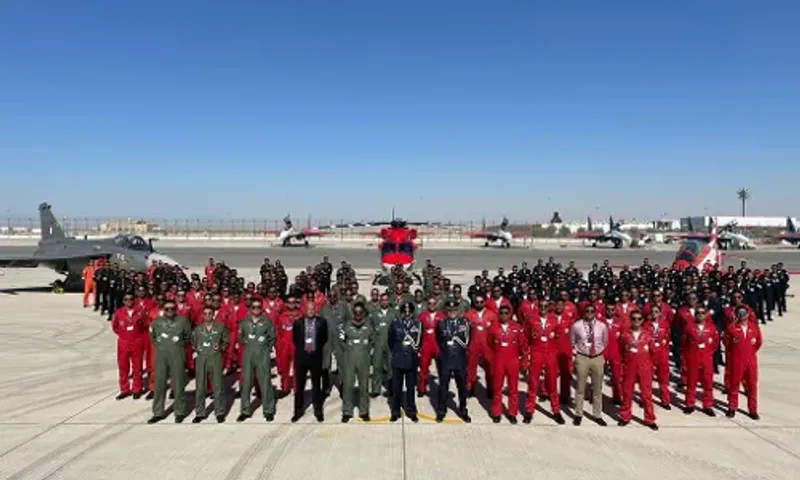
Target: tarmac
[[60, 420]]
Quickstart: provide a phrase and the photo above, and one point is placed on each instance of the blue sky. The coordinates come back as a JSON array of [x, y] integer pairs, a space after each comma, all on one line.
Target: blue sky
[[454, 111]]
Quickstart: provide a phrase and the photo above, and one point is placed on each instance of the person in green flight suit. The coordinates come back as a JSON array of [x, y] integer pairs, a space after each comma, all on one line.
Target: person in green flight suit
[[335, 313], [170, 335], [374, 300], [209, 340], [463, 303], [381, 320], [355, 341], [257, 337]]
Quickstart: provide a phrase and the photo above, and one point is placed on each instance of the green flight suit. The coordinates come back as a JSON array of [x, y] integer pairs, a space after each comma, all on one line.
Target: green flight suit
[[360, 298], [372, 306], [427, 285], [334, 315], [209, 342], [257, 339], [355, 342], [169, 338], [395, 302], [463, 305], [381, 357]]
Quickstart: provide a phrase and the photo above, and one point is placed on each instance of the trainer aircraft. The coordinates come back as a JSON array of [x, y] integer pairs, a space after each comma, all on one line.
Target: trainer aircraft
[[702, 254], [69, 256], [791, 235], [501, 235], [288, 235], [615, 236]]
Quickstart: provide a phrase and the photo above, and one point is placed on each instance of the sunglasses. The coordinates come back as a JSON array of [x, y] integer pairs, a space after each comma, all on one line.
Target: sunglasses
[[169, 309]]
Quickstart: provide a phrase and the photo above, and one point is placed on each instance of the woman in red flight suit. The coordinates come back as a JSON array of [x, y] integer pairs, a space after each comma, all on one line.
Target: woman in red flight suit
[[430, 349], [509, 346], [742, 342], [700, 341], [636, 345]]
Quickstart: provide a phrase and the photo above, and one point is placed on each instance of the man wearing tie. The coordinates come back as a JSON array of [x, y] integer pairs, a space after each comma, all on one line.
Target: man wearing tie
[[589, 338], [309, 335]]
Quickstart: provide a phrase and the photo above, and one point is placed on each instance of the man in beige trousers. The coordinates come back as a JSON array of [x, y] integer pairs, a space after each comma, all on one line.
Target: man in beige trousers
[[589, 338]]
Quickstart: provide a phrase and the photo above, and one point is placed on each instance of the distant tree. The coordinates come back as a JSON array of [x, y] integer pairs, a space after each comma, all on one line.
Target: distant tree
[[538, 231], [581, 230], [743, 195]]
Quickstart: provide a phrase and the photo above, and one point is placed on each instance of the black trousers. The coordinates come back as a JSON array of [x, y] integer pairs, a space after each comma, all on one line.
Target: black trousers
[[401, 376], [460, 376], [781, 300], [301, 374]]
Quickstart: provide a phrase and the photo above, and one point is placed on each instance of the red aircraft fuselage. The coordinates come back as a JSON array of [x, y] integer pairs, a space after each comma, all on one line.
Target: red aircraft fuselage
[[397, 246]]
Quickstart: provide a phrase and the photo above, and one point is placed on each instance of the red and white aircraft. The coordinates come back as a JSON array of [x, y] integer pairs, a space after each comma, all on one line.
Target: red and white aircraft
[[288, 234], [502, 235], [700, 254]]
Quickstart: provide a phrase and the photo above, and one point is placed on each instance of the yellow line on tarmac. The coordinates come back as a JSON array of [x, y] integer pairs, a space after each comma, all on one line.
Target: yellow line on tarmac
[[432, 418], [376, 420]]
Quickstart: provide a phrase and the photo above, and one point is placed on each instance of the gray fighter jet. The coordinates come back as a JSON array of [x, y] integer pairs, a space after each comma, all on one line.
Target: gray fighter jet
[[68, 255]]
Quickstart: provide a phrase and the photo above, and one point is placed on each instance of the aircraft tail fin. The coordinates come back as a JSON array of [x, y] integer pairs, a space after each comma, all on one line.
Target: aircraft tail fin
[[713, 242], [589, 226], [48, 223], [790, 228]]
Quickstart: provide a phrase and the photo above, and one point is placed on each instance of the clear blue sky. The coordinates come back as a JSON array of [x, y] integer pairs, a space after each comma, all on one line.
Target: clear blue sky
[[344, 108]]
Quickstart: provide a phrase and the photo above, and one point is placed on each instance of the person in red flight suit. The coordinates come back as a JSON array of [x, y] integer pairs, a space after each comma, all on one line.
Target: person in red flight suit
[[684, 318], [284, 346], [543, 347], [658, 325], [130, 326], [612, 352], [565, 318], [209, 272], [196, 297], [527, 308], [569, 307], [624, 308], [316, 296], [497, 299], [147, 344], [182, 307], [636, 345], [480, 319], [509, 345], [273, 305], [430, 349], [142, 302], [700, 341], [592, 299], [743, 340], [239, 310], [658, 300], [729, 312]]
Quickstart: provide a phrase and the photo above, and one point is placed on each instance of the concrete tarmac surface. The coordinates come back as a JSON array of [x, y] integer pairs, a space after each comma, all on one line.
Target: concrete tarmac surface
[[60, 420]]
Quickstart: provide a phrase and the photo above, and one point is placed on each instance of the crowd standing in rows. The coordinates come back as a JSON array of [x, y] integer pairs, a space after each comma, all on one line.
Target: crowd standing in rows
[[548, 325]]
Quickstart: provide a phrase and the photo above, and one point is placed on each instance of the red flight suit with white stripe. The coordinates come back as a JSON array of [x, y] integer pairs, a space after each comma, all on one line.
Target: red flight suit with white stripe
[[742, 343], [509, 347], [612, 354], [478, 348], [636, 349], [659, 354], [543, 348], [700, 342], [494, 304], [430, 348], [564, 357], [130, 326], [284, 347]]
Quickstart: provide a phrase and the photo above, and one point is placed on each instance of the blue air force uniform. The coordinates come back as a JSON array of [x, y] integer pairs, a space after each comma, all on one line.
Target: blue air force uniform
[[405, 339], [452, 336]]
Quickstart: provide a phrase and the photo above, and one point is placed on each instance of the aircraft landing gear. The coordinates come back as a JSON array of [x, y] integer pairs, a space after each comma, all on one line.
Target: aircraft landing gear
[[594, 244], [306, 243], [617, 244], [506, 245], [486, 244]]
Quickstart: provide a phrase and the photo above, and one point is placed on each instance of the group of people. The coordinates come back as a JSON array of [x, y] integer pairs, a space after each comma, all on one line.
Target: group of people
[[548, 324]]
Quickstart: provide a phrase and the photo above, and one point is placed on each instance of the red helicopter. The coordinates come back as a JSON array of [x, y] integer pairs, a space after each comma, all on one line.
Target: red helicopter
[[397, 245]]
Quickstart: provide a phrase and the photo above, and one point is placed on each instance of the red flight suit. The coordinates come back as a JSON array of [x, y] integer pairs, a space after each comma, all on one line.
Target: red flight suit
[[564, 357], [742, 343], [684, 319], [729, 318], [699, 347], [284, 347], [478, 348], [509, 351], [196, 300], [659, 354], [599, 307], [130, 327], [430, 349], [623, 311], [638, 369], [494, 304], [613, 356], [543, 348], [527, 310], [273, 309], [234, 353]]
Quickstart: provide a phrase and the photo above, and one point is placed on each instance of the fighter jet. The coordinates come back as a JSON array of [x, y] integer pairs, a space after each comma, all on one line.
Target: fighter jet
[[68, 256], [791, 235], [614, 235], [502, 235], [289, 234], [727, 238]]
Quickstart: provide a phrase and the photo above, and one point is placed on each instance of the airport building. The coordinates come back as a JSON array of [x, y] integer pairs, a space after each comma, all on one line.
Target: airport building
[[703, 222]]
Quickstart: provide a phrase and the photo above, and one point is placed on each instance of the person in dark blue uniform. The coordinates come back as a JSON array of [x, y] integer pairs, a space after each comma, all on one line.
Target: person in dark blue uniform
[[405, 339], [452, 336]]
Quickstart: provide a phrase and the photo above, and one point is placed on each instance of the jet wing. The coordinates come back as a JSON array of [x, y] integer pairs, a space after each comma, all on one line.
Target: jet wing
[[590, 235], [19, 262], [690, 236], [487, 235]]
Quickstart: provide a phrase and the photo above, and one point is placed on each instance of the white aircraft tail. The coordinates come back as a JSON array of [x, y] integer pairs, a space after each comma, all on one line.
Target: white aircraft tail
[[713, 242]]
